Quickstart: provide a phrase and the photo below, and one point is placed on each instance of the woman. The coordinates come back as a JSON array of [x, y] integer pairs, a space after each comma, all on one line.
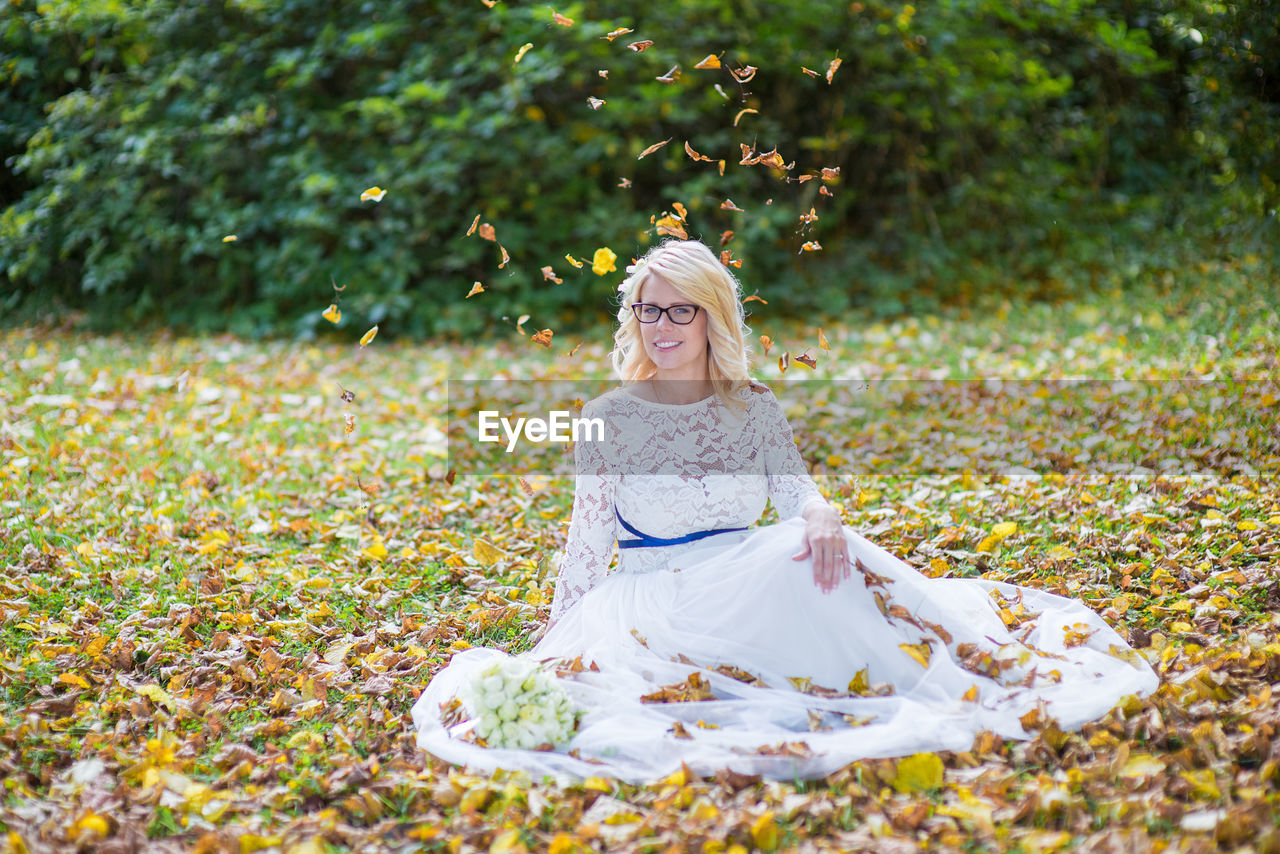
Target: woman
[[788, 650]]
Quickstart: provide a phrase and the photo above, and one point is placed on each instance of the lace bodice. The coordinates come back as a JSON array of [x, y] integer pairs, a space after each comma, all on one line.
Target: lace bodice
[[670, 470]]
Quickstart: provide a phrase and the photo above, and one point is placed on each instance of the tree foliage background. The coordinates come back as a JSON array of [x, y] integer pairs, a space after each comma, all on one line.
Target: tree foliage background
[[1037, 147]]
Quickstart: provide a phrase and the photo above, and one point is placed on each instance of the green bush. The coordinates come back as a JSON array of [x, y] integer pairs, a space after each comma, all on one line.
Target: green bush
[[1024, 146]]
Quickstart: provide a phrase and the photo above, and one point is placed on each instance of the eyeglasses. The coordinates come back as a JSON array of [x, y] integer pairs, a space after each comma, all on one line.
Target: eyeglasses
[[681, 315]]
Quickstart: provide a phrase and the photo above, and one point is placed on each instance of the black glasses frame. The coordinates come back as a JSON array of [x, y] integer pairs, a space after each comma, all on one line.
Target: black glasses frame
[[637, 307]]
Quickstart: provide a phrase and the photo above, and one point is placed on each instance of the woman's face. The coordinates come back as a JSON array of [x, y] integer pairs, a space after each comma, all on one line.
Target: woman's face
[[680, 352]]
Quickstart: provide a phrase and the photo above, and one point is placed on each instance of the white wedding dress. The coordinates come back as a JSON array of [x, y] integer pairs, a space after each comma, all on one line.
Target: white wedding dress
[[788, 681]]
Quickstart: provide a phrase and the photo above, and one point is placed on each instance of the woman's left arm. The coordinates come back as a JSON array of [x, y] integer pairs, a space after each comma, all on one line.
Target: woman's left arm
[[794, 493]]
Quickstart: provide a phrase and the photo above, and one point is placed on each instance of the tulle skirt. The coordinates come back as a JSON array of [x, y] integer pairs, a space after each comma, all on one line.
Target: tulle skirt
[[734, 659]]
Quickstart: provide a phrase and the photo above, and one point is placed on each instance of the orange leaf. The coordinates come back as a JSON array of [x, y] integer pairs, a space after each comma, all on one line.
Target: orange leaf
[[561, 19], [488, 232], [829, 173], [807, 360], [474, 223], [651, 149], [505, 257], [754, 298], [725, 237], [693, 155], [742, 113], [640, 46], [811, 246], [711, 61], [744, 74], [549, 274], [621, 31], [543, 337], [784, 361], [831, 69], [809, 71], [728, 205], [766, 342], [476, 288]]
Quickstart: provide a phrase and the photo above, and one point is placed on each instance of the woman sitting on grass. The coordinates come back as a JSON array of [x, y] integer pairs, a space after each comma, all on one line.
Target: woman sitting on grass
[[787, 650]]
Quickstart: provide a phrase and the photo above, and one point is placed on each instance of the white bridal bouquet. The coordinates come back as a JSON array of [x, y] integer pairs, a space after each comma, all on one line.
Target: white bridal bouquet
[[517, 703]]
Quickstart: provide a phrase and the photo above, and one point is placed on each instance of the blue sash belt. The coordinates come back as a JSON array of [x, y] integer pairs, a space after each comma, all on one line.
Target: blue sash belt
[[645, 541]]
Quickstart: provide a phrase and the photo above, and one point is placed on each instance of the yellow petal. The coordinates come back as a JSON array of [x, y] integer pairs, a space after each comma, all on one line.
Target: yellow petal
[[602, 263]]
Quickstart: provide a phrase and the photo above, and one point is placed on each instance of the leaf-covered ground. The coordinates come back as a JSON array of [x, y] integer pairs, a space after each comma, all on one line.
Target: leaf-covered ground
[[217, 606]]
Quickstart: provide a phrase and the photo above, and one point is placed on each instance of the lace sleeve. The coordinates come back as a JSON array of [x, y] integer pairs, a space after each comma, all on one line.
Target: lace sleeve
[[592, 528], [790, 487]]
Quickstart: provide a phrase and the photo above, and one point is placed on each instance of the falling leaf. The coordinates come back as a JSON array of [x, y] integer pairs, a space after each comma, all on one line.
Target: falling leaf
[[766, 342], [574, 261], [550, 275], [672, 227], [621, 31], [230, 238], [744, 74], [831, 69], [971, 695], [640, 46], [727, 259], [728, 205], [830, 173], [720, 167], [921, 652], [524, 48], [348, 396], [754, 298], [368, 336], [807, 360], [671, 76], [561, 19], [742, 113], [574, 352], [680, 210], [725, 237], [602, 262], [822, 341], [677, 729], [474, 223], [823, 191], [350, 425], [520, 321], [811, 216], [693, 155], [332, 313], [476, 288], [374, 193], [489, 3], [651, 149], [711, 61], [809, 71], [624, 183], [450, 476], [784, 362], [810, 246], [506, 258], [543, 337], [488, 232], [596, 103], [721, 92], [603, 73]]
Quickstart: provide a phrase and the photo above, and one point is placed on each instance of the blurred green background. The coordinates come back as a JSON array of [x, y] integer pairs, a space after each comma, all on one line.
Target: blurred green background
[[1009, 147]]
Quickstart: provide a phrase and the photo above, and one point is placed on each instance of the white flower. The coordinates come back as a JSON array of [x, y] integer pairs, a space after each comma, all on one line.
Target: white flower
[[517, 703]]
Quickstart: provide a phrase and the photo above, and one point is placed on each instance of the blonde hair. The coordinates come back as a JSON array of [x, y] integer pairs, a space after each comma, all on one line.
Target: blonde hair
[[698, 276]]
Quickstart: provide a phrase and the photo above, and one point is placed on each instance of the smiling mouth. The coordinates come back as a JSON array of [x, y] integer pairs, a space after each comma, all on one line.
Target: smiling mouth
[[666, 345]]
